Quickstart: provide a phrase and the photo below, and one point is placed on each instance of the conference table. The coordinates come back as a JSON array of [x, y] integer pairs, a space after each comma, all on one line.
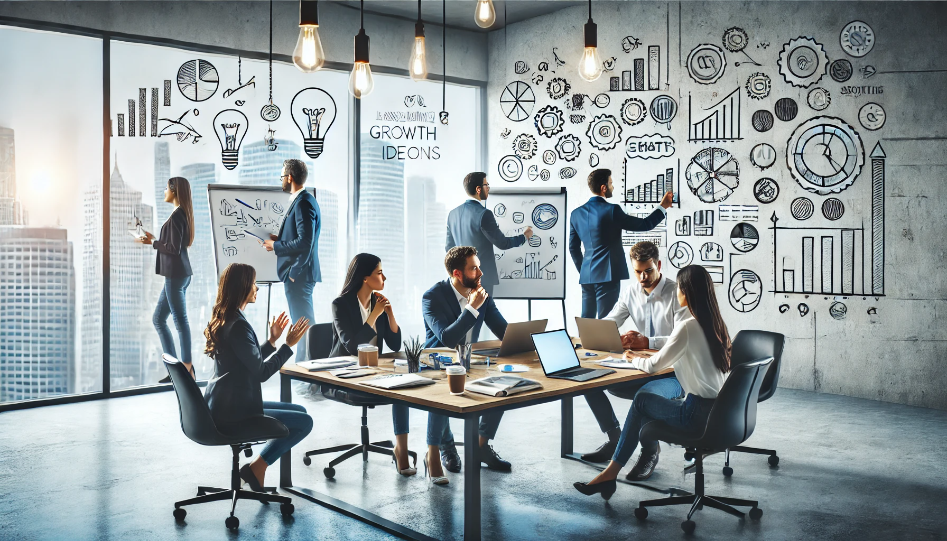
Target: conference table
[[469, 407]]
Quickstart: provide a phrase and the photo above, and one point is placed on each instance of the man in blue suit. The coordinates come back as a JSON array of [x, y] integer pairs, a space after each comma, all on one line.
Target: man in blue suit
[[597, 225], [471, 224], [451, 310], [297, 247]]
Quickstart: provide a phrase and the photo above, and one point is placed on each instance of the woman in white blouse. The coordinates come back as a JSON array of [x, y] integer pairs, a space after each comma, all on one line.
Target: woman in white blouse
[[699, 351]]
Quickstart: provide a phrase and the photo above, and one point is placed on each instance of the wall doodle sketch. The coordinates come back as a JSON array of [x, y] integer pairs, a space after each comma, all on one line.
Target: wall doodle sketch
[[871, 116], [802, 208], [633, 111], [735, 40], [567, 173], [857, 39], [711, 251], [569, 147], [680, 254], [524, 145], [558, 88], [786, 109], [763, 121], [179, 128], [548, 121], [706, 63], [758, 86], [663, 109], [744, 237], [745, 291], [510, 168], [825, 155], [833, 209], [763, 156], [198, 80], [719, 122], [841, 70], [819, 99], [802, 62], [766, 190], [712, 175], [549, 157], [533, 172], [517, 101], [604, 132], [313, 111]]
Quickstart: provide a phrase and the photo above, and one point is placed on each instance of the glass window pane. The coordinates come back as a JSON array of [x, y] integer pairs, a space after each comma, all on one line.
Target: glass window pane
[[179, 133], [50, 215]]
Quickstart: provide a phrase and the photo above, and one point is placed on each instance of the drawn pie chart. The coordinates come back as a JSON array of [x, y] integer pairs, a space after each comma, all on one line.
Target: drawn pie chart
[[713, 175], [745, 290], [744, 237], [517, 101], [198, 80]]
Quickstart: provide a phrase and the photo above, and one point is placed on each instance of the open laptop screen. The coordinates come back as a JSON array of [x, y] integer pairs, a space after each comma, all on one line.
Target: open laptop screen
[[555, 350]]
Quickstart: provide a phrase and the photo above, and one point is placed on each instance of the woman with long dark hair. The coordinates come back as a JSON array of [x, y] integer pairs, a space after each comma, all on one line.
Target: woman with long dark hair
[[699, 351], [241, 364], [172, 262]]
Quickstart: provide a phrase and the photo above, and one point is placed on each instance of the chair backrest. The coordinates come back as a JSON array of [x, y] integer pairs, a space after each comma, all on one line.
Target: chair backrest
[[196, 420], [752, 345], [320, 341], [733, 416]]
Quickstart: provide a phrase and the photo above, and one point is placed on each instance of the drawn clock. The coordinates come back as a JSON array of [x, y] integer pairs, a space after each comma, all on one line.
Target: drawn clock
[[825, 155]]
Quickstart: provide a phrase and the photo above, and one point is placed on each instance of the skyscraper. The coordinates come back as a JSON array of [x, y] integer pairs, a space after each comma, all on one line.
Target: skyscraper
[[37, 313], [381, 215], [10, 211], [260, 166], [162, 174], [202, 293]]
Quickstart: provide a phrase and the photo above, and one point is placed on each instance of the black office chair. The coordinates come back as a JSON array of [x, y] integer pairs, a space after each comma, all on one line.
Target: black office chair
[[747, 346], [199, 426], [731, 421], [320, 344]]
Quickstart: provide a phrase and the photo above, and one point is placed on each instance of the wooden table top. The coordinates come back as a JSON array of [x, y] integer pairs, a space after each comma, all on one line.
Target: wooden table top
[[437, 396]]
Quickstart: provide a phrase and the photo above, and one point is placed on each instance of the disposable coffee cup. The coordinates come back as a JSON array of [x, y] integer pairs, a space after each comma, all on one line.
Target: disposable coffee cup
[[456, 379], [367, 355]]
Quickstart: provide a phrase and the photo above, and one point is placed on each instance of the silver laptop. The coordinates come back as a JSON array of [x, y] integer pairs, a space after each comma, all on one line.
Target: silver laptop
[[516, 339], [599, 334], [558, 358]]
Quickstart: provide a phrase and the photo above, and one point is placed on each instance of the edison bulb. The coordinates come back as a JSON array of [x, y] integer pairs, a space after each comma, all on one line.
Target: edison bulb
[[485, 15], [418, 65], [590, 67], [308, 54], [361, 82]]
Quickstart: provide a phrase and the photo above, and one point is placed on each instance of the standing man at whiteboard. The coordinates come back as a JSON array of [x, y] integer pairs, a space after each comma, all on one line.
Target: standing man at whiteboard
[[472, 224], [297, 247]]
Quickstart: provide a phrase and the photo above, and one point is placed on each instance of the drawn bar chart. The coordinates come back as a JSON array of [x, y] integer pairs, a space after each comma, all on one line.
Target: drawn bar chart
[[721, 122], [653, 190], [823, 261], [637, 80]]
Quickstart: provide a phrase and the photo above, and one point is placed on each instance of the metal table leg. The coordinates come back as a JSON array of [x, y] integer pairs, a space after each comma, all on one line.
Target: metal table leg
[[567, 427], [286, 461], [471, 479]]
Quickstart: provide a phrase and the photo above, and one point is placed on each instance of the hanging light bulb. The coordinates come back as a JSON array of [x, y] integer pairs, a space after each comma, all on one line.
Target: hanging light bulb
[[361, 82], [590, 67], [308, 54], [418, 64], [485, 15]]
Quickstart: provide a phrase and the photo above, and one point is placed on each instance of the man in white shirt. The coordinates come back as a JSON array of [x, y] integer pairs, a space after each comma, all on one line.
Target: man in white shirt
[[650, 302]]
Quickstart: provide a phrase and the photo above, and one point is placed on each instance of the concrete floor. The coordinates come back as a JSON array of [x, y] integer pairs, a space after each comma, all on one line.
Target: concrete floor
[[849, 469]]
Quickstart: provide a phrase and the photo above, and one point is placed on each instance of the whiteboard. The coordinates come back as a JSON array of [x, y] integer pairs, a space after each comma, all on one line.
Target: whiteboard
[[235, 212], [537, 269]]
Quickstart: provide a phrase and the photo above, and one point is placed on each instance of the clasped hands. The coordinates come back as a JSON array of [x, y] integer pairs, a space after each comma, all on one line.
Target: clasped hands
[[634, 340], [296, 332]]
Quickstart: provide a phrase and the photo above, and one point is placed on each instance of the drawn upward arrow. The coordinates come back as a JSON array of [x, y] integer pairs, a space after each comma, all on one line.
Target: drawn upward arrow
[[878, 157]]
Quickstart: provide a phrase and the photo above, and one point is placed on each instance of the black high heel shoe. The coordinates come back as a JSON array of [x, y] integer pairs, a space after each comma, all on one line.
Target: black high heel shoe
[[605, 488], [250, 478]]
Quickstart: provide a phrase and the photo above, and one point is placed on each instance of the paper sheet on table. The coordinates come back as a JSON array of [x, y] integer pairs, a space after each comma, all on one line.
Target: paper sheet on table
[[617, 362]]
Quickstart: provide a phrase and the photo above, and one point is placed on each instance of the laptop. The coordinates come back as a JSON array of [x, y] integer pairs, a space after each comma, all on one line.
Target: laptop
[[599, 334], [558, 358], [515, 339]]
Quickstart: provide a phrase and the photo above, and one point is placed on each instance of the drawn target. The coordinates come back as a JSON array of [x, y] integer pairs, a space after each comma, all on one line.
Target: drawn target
[[680, 254], [517, 101], [549, 121], [569, 147], [604, 132], [511, 168], [549, 157], [745, 292], [545, 216], [633, 111]]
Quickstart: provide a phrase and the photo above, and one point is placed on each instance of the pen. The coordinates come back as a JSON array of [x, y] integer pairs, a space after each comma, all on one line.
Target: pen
[[249, 233], [246, 205]]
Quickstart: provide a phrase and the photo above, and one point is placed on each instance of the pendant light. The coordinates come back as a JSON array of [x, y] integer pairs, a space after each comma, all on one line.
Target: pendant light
[[418, 65], [360, 82], [485, 15], [590, 67], [308, 54]]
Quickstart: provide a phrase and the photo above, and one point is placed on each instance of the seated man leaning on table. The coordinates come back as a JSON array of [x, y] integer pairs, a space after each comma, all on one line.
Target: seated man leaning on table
[[651, 303], [452, 308]]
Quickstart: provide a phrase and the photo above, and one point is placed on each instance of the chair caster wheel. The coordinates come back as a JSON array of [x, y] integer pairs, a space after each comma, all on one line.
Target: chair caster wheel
[[727, 471], [773, 460], [248, 452], [287, 509], [330, 472], [756, 513], [641, 513], [688, 456], [307, 461], [688, 526], [232, 523], [179, 514]]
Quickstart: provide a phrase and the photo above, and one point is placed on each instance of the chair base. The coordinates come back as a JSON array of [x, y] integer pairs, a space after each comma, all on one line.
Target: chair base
[[773, 457]]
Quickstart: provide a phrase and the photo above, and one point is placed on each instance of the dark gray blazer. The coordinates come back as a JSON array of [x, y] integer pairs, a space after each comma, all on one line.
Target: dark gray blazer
[[241, 365], [473, 225], [348, 331], [171, 245]]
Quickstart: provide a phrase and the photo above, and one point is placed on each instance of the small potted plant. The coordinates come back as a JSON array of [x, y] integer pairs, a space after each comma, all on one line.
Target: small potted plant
[[412, 352]]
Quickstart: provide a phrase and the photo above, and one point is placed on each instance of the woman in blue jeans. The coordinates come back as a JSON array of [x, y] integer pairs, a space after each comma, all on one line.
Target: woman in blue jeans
[[177, 234], [242, 364], [699, 351]]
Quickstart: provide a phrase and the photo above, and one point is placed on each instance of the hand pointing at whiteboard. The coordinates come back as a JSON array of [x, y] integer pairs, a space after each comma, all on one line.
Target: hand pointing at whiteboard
[[667, 200]]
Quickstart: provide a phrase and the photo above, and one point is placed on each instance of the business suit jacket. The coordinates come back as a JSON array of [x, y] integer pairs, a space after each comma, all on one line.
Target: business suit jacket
[[171, 245], [297, 250], [445, 324], [348, 331], [471, 224], [240, 367], [598, 225]]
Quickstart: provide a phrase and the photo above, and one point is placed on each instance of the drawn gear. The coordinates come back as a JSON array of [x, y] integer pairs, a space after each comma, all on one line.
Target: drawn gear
[[524, 146], [798, 66]]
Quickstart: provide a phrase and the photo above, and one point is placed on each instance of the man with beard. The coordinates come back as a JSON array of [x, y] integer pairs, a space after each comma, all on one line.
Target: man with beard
[[297, 247], [471, 224], [452, 308], [650, 302]]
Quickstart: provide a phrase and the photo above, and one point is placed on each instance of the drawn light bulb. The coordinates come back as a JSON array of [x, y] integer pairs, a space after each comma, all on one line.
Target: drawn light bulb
[[308, 54], [418, 65], [230, 126], [485, 15], [313, 111]]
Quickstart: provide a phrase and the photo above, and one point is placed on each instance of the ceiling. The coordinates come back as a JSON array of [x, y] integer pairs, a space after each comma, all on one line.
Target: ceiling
[[460, 13]]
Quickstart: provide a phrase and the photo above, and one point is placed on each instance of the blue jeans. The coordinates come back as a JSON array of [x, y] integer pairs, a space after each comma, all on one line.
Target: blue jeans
[[489, 424], [435, 423], [655, 405], [602, 408], [171, 302], [599, 299], [299, 299], [296, 420]]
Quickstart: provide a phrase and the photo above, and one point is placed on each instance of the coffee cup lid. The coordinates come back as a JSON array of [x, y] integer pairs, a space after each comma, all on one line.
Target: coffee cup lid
[[367, 347], [456, 369]]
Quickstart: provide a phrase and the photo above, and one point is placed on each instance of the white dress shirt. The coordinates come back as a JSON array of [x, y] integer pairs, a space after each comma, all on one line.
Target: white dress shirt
[[688, 352], [366, 311], [653, 315], [294, 195], [465, 305]]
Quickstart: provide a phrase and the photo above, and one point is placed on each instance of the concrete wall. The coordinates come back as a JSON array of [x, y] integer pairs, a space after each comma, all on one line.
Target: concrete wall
[[243, 26], [895, 353]]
